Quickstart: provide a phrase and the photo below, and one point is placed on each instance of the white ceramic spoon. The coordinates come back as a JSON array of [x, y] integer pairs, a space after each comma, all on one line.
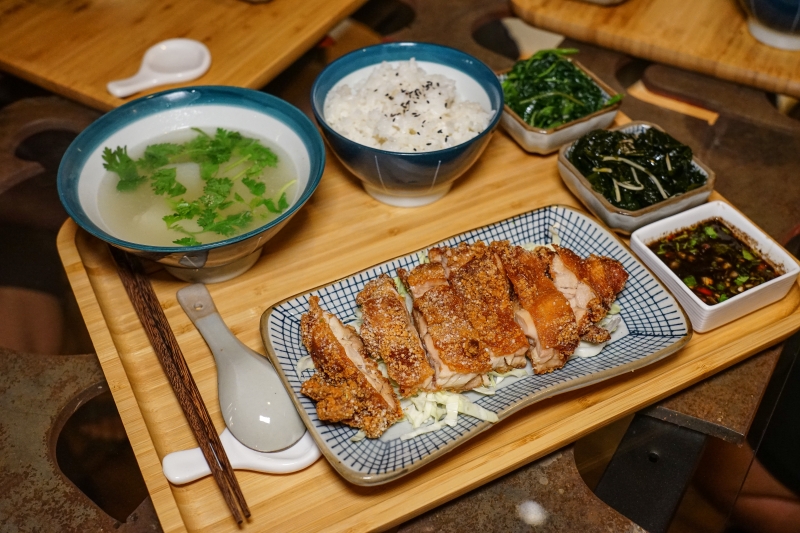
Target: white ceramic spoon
[[255, 405], [170, 61]]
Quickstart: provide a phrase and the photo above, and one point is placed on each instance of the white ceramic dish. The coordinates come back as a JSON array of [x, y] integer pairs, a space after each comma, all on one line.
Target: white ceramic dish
[[189, 465], [623, 220], [655, 326], [707, 317], [540, 141]]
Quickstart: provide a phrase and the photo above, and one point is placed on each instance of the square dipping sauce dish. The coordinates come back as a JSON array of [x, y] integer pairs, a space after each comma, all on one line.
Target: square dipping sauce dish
[[706, 317]]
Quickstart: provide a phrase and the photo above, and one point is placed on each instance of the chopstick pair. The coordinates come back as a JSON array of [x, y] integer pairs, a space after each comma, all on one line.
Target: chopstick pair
[[169, 353]]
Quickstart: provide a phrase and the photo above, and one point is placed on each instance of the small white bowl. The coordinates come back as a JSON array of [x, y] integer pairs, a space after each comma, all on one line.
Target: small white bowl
[[541, 141], [707, 317], [623, 220]]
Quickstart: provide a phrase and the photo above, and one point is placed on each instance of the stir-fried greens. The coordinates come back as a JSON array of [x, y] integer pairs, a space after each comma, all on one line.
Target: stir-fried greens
[[633, 171], [713, 262], [548, 90]]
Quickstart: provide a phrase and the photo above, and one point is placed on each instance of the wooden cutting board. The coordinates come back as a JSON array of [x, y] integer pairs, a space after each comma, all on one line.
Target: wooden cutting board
[[341, 231], [706, 36], [75, 47]]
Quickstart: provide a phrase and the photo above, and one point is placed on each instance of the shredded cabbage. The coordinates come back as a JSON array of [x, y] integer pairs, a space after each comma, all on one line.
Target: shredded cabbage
[[304, 363]]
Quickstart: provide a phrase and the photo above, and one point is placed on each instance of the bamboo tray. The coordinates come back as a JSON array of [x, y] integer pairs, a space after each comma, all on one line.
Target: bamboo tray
[[706, 36], [341, 231]]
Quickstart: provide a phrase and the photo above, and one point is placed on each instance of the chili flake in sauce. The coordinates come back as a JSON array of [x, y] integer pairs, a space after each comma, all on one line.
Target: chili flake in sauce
[[712, 261]]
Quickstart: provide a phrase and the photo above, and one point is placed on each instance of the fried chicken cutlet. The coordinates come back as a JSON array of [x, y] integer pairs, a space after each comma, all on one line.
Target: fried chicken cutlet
[[459, 359], [543, 312], [388, 335], [347, 386], [477, 276]]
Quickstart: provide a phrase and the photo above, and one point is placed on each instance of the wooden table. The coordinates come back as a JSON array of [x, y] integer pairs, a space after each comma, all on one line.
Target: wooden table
[[74, 47], [341, 231], [706, 36]]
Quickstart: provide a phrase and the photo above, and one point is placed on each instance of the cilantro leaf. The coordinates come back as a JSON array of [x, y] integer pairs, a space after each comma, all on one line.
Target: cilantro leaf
[[216, 191], [228, 225], [283, 204], [187, 241], [164, 181], [159, 155], [256, 188], [119, 162]]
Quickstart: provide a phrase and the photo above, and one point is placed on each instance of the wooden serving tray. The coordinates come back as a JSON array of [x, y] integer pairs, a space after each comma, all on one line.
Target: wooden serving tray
[[706, 36], [341, 231]]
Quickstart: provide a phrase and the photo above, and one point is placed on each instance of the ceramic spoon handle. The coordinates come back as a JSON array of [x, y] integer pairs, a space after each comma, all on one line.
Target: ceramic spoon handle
[[196, 301]]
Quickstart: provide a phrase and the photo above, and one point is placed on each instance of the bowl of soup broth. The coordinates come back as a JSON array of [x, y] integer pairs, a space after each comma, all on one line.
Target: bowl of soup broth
[[197, 179]]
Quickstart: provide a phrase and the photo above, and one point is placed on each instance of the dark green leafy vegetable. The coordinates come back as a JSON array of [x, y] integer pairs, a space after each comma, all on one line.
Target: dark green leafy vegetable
[[633, 171], [712, 261], [225, 152], [547, 90]]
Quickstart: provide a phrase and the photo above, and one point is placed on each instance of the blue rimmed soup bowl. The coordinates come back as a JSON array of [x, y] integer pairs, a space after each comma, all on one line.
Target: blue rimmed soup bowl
[[177, 112], [405, 178]]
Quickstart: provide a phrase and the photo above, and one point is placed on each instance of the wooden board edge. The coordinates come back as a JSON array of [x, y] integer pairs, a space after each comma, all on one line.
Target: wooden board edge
[[158, 487]]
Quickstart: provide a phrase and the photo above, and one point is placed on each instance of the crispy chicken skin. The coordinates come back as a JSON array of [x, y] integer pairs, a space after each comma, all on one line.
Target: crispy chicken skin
[[347, 386], [591, 285], [544, 313], [388, 334], [478, 278], [457, 354], [566, 270]]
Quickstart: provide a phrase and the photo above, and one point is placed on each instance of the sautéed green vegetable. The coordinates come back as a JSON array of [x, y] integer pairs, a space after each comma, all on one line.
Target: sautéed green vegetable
[[548, 90]]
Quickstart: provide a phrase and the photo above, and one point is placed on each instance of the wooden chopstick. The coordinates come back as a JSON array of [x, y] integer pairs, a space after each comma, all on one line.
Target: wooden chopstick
[[169, 354]]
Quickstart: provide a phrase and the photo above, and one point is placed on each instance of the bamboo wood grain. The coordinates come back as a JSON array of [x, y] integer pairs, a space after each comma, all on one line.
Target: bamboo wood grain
[[340, 231], [74, 48], [159, 333], [706, 36]]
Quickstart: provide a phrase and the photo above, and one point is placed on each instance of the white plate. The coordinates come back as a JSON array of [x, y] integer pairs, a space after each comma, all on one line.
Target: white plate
[[655, 327]]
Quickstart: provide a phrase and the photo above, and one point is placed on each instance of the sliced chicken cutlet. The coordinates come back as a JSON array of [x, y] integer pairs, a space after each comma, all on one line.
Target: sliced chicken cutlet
[[591, 285], [388, 335], [455, 351], [478, 278], [347, 386], [543, 312]]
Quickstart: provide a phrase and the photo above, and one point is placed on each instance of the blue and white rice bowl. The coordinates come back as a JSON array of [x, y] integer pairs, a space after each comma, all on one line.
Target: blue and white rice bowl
[[253, 113], [409, 179]]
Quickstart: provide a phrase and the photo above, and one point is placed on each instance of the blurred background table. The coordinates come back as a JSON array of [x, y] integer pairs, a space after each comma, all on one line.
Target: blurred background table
[[705, 36], [75, 47]]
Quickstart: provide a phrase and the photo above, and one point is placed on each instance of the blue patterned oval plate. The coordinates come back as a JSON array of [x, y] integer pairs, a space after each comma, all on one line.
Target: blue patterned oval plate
[[653, 326]]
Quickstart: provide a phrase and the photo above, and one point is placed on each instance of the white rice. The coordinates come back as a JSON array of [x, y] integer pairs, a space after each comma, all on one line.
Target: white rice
[[404, 109]]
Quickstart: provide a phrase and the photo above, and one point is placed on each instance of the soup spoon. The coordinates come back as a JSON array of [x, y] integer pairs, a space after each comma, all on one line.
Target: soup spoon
[[255, 405], [170, 61]]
